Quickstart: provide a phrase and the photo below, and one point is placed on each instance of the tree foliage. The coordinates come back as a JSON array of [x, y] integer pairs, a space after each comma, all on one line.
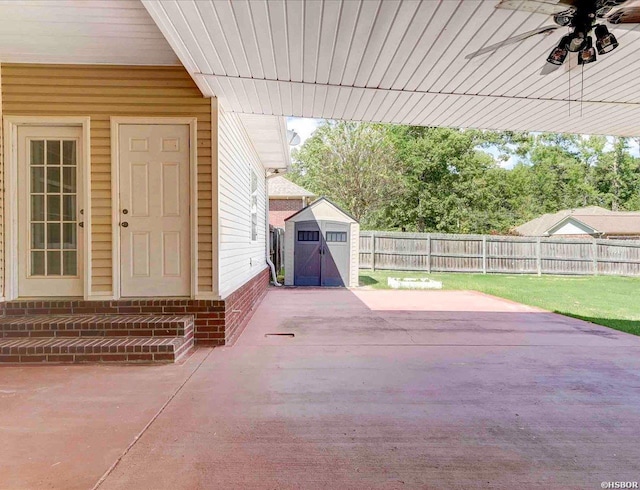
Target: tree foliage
[[449, 180], [353, 164]]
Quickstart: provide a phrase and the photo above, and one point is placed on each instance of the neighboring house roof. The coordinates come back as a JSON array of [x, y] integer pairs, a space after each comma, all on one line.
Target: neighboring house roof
[[599, 220], [614, 224], [320, 203], [281, 187]]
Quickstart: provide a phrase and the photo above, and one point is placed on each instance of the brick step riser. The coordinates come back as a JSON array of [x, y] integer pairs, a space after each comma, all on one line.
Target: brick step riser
[[77, 354], [146, 357], [184, 351], [9, 331]]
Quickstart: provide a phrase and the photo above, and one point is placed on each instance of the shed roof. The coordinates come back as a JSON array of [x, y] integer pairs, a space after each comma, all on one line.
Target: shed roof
[[279, 186], [599, 219], [322, 209]]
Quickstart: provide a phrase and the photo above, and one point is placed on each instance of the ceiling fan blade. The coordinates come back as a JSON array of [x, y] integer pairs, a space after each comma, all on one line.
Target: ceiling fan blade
[[625, 15], [548, 68], [512, 40], [549, 7], [570, 63], [606, 6]]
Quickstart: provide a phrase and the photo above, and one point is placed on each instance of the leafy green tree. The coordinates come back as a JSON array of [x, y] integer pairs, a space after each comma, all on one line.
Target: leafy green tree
[[352, 163], [617, 177], [450, 183], [449, 180]]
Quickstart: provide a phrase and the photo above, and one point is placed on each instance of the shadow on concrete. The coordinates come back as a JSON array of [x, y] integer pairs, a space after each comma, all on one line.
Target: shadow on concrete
[[628, 326]]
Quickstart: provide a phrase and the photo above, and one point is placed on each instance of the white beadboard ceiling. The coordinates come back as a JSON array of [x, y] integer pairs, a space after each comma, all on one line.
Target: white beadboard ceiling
[[81, 31], [400, 61]]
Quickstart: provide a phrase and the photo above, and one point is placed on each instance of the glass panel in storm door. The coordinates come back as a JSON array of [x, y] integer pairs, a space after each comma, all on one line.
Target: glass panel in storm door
[[53, 199]]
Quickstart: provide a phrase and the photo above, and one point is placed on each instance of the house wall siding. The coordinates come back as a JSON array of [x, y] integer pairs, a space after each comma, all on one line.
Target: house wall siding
[[281, 209], [240, 258], [571, 228], [101, 92]]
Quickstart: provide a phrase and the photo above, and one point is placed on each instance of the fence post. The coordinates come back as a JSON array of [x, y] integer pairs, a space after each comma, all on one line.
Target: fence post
[[484, 254], [538, 256], [594, 253], [373, 250], [429, 254]]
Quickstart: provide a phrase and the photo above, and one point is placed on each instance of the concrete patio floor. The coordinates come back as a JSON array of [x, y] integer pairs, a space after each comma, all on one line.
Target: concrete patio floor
[[378, 389]]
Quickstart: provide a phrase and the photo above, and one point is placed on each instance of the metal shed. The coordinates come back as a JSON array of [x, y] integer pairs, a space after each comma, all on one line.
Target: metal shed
[[321, 246]]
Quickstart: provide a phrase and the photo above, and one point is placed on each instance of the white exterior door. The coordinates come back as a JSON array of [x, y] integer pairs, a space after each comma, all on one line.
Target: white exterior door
[[50, 210], [154, 210]]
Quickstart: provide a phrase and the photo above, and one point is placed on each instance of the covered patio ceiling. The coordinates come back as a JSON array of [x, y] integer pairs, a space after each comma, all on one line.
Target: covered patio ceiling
[[399, 61]]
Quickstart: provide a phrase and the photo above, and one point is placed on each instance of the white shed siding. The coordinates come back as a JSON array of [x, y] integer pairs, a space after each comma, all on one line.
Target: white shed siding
[[289, 248], [240, 258], [354, 266]]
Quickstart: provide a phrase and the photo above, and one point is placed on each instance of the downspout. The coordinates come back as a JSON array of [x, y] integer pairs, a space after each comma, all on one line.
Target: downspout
[[292, 139], [274, 275]]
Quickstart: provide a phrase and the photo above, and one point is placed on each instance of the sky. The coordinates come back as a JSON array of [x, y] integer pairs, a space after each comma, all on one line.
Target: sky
[[303, 126], [306, 126]]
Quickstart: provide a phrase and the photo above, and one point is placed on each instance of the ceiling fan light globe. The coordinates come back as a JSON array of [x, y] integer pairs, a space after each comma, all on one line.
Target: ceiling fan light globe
[[576, 44], [607, 45], [557, 56], [588, 54], [606, 42]]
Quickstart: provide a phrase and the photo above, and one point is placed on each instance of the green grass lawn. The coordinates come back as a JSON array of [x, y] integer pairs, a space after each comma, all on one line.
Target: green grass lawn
[[610, 301]]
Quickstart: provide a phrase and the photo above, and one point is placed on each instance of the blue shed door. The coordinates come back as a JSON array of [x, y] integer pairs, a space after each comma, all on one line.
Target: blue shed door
[[308, 247], [335, 253], [321, 254]]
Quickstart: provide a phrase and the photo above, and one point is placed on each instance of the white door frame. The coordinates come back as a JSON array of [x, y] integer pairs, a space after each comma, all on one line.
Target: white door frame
[[11, 253], [116, 122]]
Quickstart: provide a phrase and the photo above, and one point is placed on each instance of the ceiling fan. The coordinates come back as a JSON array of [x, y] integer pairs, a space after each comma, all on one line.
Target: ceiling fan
[[582, 17]]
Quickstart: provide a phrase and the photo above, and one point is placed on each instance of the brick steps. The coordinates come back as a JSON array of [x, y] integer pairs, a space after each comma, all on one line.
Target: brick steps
[[208, 315], [95, 338], [96, 326], [76, 350]]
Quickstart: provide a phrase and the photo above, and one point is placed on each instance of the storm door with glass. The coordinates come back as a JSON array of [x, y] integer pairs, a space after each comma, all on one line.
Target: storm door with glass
[[50, 214]]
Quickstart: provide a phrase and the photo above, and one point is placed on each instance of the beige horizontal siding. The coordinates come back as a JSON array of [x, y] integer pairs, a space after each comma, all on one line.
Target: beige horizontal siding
[[101, 92]]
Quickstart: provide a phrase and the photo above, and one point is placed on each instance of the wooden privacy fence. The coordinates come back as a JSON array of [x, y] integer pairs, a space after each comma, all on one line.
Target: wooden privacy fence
[[497, 254]]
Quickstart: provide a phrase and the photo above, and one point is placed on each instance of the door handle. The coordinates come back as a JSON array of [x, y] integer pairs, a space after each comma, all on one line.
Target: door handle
[[125, 211], [124, 224], [81, 224]]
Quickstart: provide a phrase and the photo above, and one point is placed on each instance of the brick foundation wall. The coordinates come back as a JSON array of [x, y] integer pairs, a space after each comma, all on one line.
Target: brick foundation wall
[[208, 315], [240, 304], [281, 209], [217, 322]]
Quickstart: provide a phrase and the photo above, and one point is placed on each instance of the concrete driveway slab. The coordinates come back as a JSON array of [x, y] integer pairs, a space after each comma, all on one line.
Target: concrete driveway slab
[[399, 389], [64, 426]]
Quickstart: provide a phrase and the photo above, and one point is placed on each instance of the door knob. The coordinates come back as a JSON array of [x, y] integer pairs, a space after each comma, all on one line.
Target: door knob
[[125, 211], [81, 224], [124, 224]]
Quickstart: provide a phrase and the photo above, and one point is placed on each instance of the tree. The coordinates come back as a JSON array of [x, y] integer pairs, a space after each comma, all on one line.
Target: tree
[[351, 163], [617, 177], [450, 184], [449, 180]]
